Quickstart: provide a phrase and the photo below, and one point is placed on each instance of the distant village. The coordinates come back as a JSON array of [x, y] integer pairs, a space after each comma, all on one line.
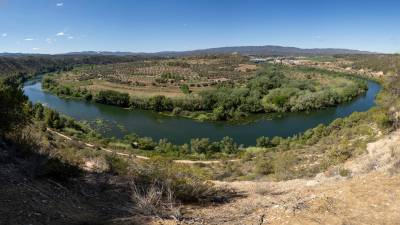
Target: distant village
[[340, 65]]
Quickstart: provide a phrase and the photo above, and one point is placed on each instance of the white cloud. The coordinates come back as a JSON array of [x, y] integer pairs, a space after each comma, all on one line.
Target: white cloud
[[60, 34], [29, 39], [60, 4], [4, 35], [35, 49], [49, 40], [71, 37]]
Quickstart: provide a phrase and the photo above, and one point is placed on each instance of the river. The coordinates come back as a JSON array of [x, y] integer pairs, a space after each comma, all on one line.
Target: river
[[116, 121]]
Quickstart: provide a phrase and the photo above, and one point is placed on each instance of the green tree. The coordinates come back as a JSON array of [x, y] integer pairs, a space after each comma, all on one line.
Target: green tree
[[38, 111], [200, 145], [110, 97], [185, 89], [264, 142], [228, 145], [14, 111]]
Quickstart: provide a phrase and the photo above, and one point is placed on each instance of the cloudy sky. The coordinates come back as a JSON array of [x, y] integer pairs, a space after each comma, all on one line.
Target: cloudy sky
[[49, 26]]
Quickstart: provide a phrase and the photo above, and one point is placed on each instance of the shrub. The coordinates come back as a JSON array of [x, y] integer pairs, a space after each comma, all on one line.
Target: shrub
[[146, 143], [117, 165], [155, 200], [263, 142], [187, 183], [185, 89], [284, 166], [344, 172], [264, 166], [110, 97], [200, 145]]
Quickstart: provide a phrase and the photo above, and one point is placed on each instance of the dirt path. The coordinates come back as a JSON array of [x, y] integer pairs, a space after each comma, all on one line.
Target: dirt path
[[138, 156]]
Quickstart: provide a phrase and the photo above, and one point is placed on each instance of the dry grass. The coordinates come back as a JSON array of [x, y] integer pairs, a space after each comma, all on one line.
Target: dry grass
[[146, 91], [156, 200], [246, 67]]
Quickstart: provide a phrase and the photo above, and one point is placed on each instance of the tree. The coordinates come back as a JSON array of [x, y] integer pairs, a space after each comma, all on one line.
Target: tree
[[38, 111], [185, 89], [146, 143], [14, 111], [228, 145], [277, 99], [52, 118], [159, 103], [110, 97], [263, 142], [199, 145]]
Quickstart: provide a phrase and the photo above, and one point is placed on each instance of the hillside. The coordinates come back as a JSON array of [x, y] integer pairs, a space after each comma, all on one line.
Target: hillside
[[266, 50], [366, 194]]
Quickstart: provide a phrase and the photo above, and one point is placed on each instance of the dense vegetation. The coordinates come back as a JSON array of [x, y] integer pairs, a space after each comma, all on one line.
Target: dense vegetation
[[275, 89], [112, 98]]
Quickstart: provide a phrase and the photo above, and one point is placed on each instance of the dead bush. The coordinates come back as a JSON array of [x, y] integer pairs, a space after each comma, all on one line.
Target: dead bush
[[155, 200]]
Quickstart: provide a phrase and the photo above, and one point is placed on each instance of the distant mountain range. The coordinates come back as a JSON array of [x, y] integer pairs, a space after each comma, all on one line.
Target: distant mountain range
[[267, 50]]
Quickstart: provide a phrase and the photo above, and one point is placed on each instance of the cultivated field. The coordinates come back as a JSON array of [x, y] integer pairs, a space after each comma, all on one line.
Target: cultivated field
[[162, 76]]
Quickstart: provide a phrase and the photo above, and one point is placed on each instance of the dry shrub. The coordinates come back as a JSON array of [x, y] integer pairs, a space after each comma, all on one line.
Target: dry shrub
[[26, 141], [395, 160], [187, 183], [284, 166], [155, 200]]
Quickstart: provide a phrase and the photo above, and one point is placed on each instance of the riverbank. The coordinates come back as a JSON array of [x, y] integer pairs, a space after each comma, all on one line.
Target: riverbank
[[181, 130], [275, 89], [204, 162]]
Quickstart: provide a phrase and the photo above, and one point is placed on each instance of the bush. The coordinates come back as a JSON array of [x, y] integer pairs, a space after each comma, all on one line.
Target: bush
[[264, 166], [199, 145], [284, 166], [185, 182], [185, 89], [263, 142], [146, 143], [117, 165], [112, 98], [155, 200]]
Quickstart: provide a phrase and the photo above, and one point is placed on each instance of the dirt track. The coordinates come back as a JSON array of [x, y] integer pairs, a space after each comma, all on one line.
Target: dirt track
[[139, 156]]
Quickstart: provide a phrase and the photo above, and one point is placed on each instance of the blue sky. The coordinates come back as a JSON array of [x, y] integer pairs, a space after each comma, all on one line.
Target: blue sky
[[57, 26]]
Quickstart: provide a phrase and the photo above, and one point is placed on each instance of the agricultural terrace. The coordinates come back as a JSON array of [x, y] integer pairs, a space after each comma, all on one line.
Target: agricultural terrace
[[161, 76]]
